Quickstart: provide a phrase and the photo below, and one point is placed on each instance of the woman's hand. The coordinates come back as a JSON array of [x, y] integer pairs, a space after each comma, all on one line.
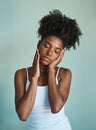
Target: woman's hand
[[36, 67], [57, 61]]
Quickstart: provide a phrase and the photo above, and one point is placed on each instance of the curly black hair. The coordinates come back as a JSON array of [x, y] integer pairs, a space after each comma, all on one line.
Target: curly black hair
[[57, 24]]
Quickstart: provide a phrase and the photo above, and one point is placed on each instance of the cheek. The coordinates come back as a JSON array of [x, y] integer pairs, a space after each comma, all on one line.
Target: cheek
[[40, 53], [40, 50], [55, 57]]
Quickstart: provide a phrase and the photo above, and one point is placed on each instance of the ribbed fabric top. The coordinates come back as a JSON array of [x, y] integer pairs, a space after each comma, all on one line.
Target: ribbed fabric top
[[41, 117]]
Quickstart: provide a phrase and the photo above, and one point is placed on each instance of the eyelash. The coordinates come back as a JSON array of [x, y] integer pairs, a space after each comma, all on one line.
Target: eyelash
[[56, 52], [47, 46]]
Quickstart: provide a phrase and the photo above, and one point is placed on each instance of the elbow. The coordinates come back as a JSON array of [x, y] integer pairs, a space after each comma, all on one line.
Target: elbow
[[22, 116], [55, 110]]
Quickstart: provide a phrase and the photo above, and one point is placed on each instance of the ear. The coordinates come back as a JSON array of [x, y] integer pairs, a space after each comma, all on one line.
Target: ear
[[38, 44]]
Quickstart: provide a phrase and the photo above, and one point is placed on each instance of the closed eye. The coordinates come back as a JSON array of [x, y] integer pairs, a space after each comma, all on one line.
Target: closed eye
[[57, 51], [46, 45]]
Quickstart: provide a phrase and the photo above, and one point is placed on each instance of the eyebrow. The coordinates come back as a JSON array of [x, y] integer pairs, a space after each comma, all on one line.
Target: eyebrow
[[49, 43]]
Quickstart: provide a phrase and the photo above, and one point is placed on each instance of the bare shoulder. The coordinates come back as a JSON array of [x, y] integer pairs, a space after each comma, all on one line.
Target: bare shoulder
[[20, 76], [65, 73], [20, 72]]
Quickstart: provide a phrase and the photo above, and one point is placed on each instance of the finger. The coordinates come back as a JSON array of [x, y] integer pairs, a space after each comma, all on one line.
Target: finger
[[38, 56], [35, 57], [62, 54], [65, 49]]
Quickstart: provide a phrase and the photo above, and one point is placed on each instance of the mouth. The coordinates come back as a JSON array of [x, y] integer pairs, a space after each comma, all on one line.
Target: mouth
[[46, 59]]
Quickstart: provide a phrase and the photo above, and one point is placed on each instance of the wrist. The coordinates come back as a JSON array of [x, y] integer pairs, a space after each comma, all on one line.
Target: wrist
[[52, 70], [51, 67], [34, 81], [34, 78]]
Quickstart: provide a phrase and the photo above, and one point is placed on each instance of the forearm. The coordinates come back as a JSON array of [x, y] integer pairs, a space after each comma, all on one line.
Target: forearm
[[26, 104], [55, 98]]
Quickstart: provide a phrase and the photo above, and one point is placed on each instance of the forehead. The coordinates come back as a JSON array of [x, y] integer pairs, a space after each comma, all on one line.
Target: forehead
[[54, 41]]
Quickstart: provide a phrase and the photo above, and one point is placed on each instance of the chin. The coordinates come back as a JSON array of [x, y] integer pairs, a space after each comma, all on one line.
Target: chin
[[44, 63]]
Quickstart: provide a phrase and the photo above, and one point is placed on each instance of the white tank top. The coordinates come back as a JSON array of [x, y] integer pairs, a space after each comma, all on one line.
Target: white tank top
[[41, 117]]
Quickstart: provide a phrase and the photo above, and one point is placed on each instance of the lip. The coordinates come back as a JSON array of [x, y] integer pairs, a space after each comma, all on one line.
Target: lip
[[46, 59]]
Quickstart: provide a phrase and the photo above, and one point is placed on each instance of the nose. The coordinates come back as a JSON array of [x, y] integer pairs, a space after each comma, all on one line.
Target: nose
[[50, 52]]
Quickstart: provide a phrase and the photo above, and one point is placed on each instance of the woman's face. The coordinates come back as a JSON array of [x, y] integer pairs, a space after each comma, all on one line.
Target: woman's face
[[50, 49]]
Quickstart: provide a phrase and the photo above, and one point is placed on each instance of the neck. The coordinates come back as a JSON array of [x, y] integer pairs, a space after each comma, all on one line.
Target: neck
[[43, 69]]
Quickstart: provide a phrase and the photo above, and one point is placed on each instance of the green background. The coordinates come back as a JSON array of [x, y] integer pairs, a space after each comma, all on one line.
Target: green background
[[18, 40]]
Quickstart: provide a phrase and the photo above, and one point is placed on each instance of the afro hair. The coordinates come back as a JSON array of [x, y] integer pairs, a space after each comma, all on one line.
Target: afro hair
[[57, 24]]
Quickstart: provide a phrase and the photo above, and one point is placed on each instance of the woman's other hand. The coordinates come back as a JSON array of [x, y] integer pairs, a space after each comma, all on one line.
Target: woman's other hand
[[36, 67], [54, 64]]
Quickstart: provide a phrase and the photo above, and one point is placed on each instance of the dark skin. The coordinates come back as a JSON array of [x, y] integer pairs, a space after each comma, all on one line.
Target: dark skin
[[43, 72]]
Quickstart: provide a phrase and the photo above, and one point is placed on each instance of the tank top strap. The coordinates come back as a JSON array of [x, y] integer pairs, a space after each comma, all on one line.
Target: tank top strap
[[27, 75], [57, 75]]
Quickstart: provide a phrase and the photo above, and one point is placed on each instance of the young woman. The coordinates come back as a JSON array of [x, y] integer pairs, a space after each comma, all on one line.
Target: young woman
[[41, 90]]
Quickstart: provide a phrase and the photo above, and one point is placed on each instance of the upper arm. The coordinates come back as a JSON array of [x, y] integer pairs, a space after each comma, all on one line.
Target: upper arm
[[64, 83], [19, 83]]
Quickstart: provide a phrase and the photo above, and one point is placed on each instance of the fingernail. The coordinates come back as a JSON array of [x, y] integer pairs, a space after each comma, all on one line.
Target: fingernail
[[65, 48]]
